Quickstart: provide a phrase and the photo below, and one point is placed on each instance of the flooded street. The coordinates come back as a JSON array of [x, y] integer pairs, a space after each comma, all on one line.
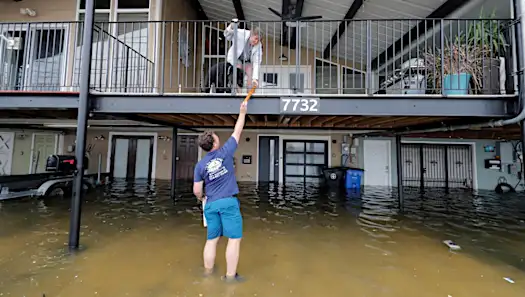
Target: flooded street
[[299, 241]]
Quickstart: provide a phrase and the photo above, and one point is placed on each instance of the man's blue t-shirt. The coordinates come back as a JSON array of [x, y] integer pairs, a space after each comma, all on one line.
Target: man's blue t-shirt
[[217, 171]]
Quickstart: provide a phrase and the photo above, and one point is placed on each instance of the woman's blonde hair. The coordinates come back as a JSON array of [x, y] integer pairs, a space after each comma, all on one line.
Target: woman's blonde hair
[[257, 31]]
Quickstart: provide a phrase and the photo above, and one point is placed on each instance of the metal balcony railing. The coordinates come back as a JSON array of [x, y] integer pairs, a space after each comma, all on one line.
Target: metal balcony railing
[[47, 57], [369, 57]]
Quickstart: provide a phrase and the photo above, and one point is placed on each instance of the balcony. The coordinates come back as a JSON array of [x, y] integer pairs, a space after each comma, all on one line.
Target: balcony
[[458, 59]]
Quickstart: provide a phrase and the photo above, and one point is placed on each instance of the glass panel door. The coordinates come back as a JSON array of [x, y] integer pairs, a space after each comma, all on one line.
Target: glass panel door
[[120, 158], [45, 63], [12, 55], [304, 161], [326, 77], [354, 82], [130, 52], [100, 53], [143, 157]]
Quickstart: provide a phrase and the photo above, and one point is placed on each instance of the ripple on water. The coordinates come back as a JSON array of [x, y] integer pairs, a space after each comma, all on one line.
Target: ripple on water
[[305, 229]]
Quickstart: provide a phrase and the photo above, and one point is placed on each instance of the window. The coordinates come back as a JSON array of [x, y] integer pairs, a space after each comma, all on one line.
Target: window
[[122, 4], [293, 82], [354, 82], [326, 77], [270, 78], [133, 31], [130, 49], [99, 4], [100, 32], [120, 50], [133, 4], [304, 161], [100, 55], [295, 146]]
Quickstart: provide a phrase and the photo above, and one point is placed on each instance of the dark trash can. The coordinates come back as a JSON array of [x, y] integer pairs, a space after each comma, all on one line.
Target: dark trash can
[[335, 177]]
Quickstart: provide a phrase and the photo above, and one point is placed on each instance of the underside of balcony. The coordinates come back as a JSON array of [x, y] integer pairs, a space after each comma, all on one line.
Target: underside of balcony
[[349, 74], [65, 120], [423, 106]]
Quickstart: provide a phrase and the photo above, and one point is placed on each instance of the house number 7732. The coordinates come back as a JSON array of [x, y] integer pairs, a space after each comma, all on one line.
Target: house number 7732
[[300, 105]]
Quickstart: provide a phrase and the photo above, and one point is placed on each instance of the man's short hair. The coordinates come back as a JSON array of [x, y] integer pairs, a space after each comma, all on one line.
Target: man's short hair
[[206, 140]]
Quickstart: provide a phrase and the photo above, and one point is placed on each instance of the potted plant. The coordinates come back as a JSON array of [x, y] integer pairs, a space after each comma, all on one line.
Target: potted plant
[[472, 58], [460, 64], [488, 34]]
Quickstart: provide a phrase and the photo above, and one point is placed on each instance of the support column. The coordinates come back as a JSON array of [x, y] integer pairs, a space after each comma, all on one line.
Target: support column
[[174, 162], [519, 13], [82, 119], [399, 172], [522, 151]]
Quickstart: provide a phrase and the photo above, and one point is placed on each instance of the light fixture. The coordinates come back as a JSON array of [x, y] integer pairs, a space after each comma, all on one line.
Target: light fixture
[[164, 138], [28, 11], [61, 125], [294, 24], [283, 58]]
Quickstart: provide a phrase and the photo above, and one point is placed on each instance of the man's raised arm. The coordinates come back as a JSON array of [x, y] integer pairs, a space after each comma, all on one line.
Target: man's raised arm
[[239, 126]]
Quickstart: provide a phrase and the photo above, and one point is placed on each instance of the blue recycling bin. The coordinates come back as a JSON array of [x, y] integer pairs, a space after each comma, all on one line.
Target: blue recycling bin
[[353, 178]]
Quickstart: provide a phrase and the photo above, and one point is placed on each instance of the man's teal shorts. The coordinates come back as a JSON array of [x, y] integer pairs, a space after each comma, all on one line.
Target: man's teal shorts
[[224, 218]]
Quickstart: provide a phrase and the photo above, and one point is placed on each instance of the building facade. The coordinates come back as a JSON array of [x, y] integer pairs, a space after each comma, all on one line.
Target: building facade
[[360, 82]]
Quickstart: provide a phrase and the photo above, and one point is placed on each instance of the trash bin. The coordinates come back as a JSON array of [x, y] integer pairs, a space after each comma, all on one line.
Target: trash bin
[[353, 178], [334, 177]]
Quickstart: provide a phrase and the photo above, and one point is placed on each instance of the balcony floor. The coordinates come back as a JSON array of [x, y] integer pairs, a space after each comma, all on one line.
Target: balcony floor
[[225, 104], [205, 111]]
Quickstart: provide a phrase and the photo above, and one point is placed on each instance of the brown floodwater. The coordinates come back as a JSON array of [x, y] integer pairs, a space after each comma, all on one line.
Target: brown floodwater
[[299, 241]]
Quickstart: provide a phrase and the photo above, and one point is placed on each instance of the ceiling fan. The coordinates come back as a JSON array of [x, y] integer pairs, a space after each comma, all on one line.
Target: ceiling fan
[[290, 16], [291, 21]]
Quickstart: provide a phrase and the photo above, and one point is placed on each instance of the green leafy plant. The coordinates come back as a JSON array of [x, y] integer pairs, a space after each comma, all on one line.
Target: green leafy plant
[[472, 50], [487, 33]]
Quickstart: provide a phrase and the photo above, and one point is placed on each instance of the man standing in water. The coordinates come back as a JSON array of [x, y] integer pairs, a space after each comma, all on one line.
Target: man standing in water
[[215, 175]]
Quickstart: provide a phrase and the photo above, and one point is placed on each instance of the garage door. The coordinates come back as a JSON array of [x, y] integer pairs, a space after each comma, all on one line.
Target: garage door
[[304, 161], [437, 165]]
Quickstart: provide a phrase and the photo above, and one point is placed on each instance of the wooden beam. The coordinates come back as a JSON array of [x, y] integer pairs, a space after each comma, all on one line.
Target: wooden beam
[[227, 120], [322, 121], [285, 10], [196, 5], [238, 9], [173, 118], [295, 119], [298, 12], [159, 120], [350, 14], [343, 119]]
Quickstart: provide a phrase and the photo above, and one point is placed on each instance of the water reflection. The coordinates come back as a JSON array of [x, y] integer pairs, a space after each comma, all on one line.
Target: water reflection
[[300, 240]]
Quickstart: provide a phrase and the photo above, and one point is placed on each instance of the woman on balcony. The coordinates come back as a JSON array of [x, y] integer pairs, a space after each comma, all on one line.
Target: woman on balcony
[[248, 54]]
